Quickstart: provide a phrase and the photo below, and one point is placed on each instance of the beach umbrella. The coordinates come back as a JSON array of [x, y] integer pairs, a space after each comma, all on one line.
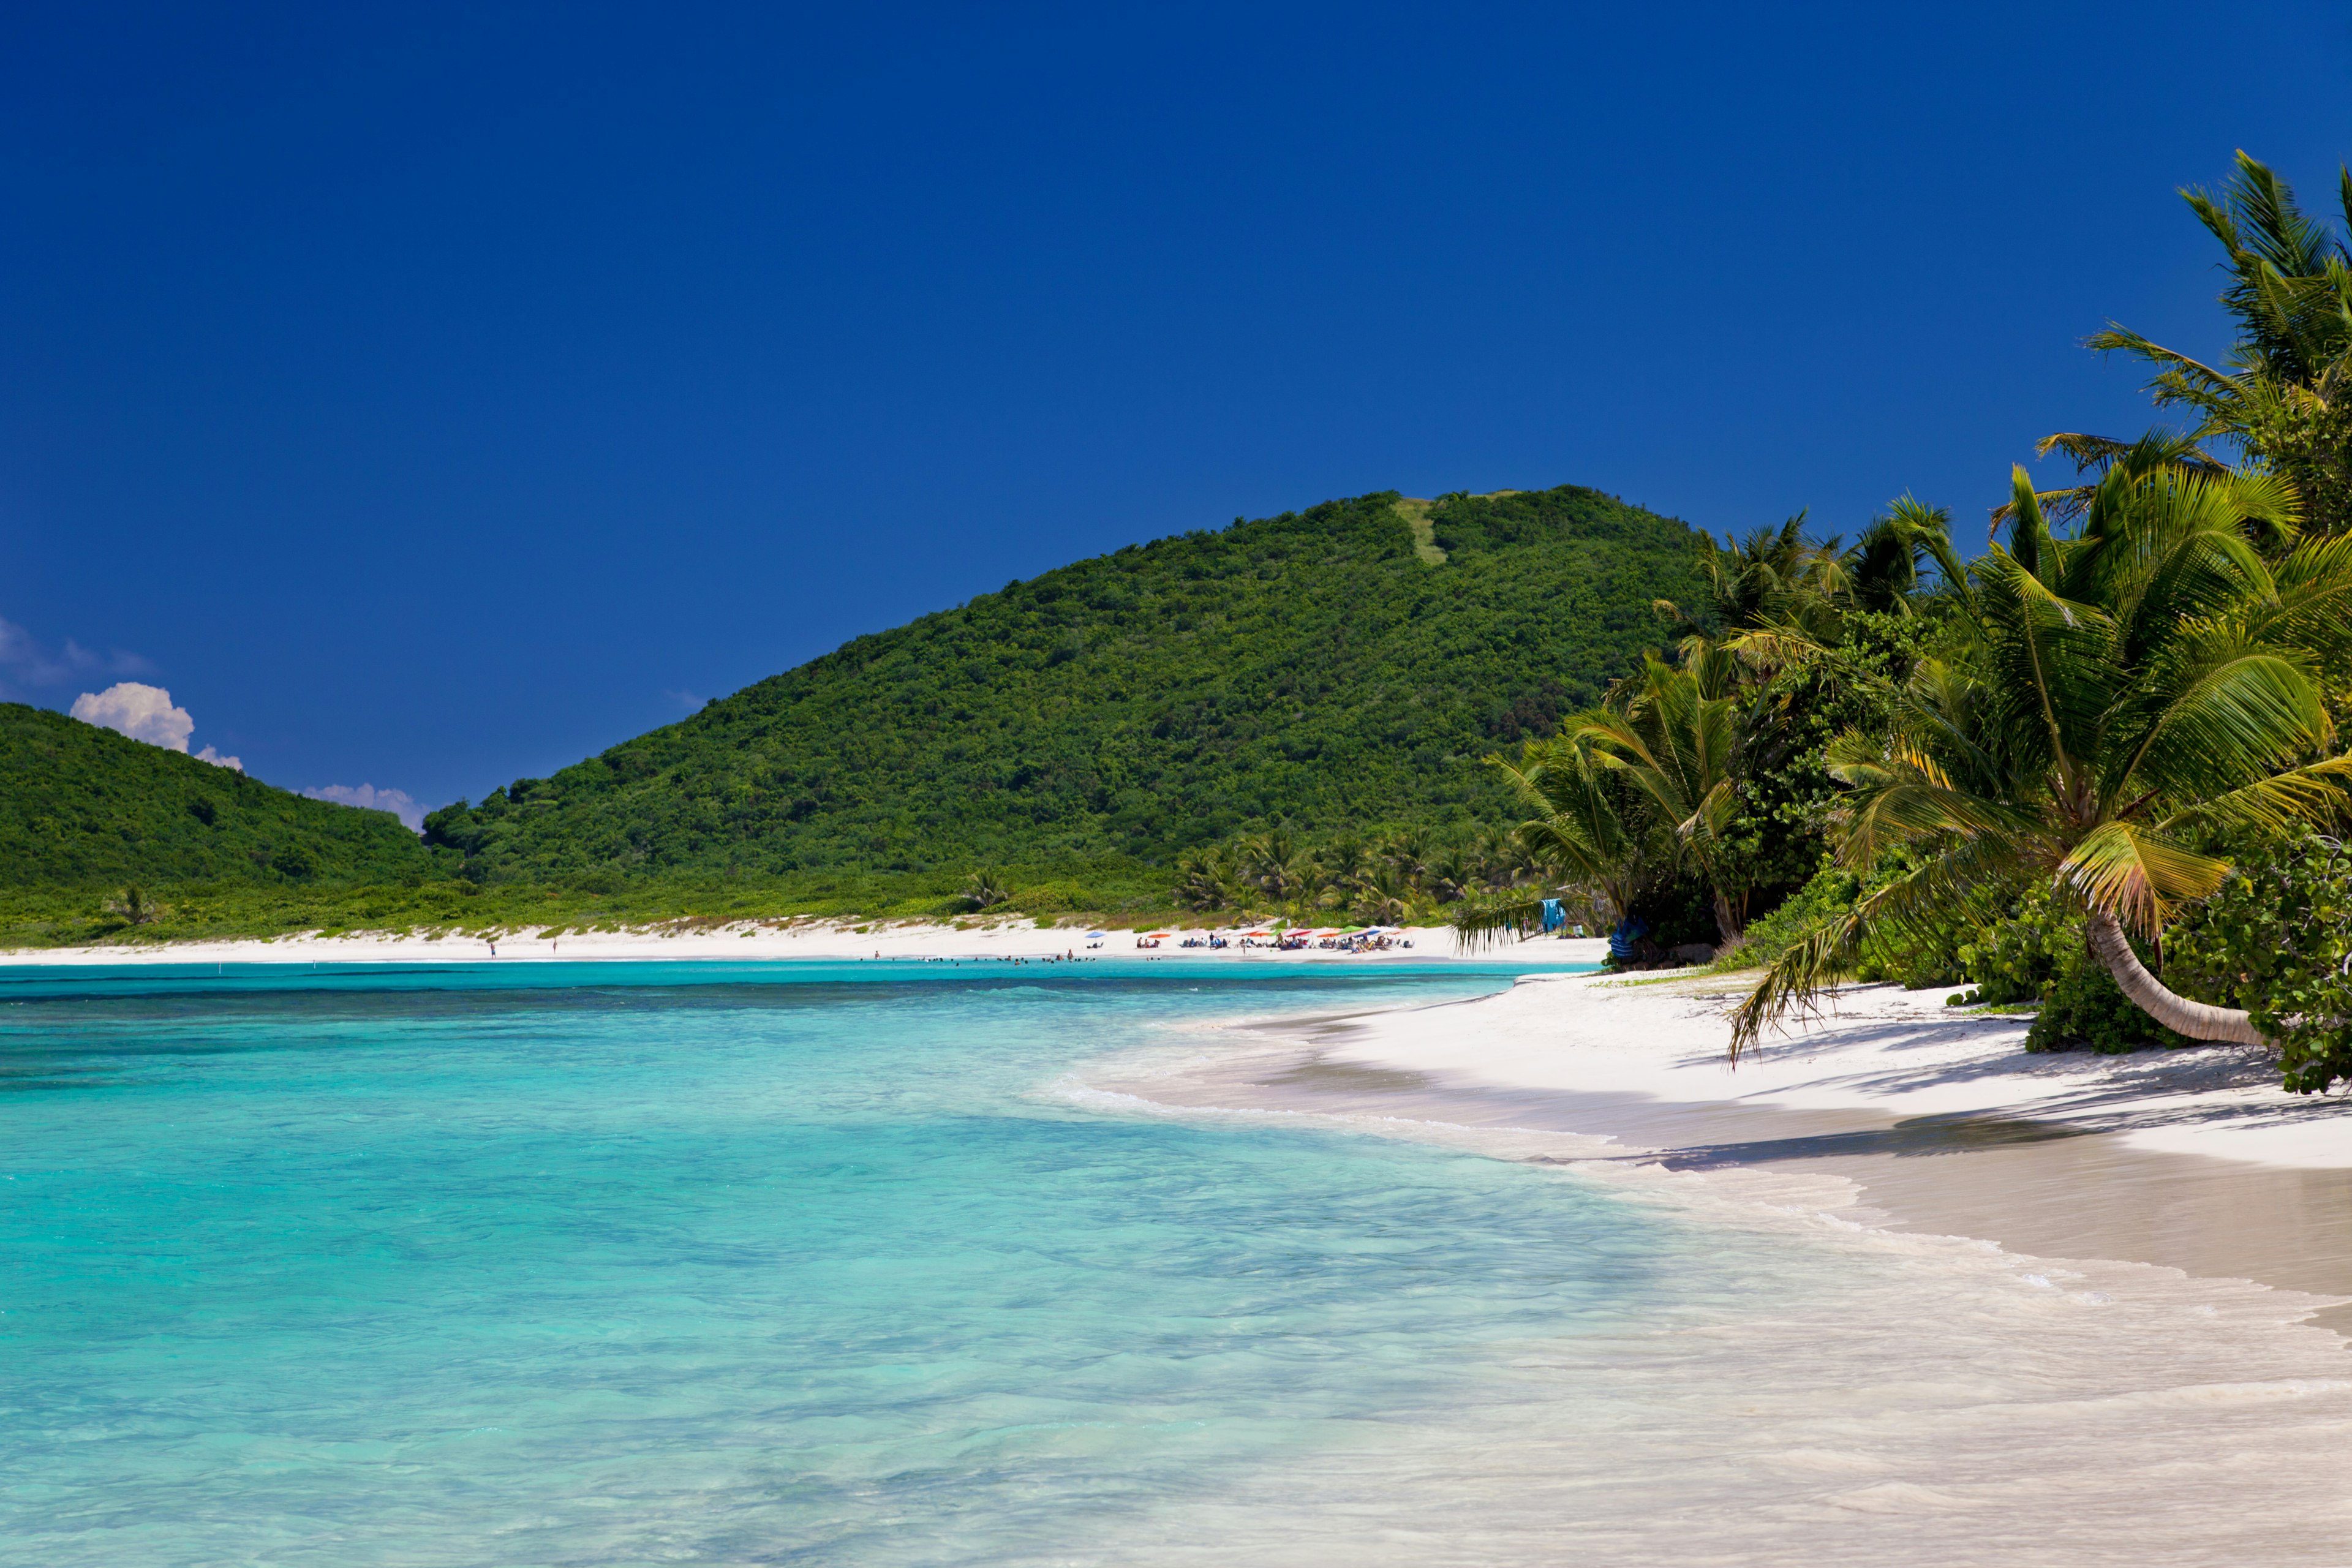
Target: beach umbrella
[[1156, 935], [1096, 935]]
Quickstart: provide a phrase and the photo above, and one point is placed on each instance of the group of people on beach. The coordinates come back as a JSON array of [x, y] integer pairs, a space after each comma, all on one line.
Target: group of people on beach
[[1373, 938]]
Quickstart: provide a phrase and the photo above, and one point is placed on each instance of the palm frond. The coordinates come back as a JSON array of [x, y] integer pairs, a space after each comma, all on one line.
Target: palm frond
[[2213, 716], [1794, 985], [2318, 795], [2136, 877], [1487, 924]]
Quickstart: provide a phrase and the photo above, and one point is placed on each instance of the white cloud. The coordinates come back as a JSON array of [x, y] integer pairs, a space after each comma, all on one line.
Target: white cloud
[[367, 797], [143, 712]]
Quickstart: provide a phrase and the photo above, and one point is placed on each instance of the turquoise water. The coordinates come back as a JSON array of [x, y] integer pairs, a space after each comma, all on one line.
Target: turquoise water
[[841, 1264], [428, 1268]]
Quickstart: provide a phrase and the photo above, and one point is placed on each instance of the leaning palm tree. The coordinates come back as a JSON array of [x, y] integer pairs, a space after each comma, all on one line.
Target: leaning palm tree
[[2113, 701]]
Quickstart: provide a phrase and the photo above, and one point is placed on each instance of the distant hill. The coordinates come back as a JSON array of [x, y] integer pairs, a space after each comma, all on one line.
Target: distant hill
[[83, 806], [1345, 664]]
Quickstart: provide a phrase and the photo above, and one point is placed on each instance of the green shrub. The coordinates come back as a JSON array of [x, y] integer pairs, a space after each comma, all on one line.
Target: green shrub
[[1831, 892], [2036, 950], [2017, 957], [2085, 1008], [2276, 940], [1053, 898]]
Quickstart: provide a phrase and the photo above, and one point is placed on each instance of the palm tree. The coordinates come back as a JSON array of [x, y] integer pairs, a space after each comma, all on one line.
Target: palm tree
[[1306, 888], [1504, 862], [1404, 850], [1383, 895], [135, 907], [1586, 830], [1344, 857], [2100, 456], [1204, 879], [2116, 698], [1674, 736], [1450, 874], [1772, 577], [1271, 862], [984, 889], [2286, 393], [1893, 555]]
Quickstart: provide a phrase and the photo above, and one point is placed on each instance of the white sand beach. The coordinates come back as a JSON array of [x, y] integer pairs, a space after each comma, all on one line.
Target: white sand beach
[[1936, 1118], [2111, 1293], [981, 939]]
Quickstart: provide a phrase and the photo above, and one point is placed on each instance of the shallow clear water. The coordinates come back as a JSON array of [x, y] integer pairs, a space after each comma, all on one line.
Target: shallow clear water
[[812, 1263], [457, 1274]]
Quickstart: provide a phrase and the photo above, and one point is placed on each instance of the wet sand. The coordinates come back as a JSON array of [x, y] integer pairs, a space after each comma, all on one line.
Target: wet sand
[[2055, 1167]]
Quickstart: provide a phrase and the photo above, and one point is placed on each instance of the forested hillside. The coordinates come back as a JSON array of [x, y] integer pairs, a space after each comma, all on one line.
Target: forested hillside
[[1321, 668], [81, 807]]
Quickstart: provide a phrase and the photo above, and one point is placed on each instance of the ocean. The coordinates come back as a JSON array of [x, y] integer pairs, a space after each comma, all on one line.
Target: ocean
[[830, 1263]]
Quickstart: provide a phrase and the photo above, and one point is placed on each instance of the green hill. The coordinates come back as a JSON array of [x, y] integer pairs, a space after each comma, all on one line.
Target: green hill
[[1346, 664], [85, 807]]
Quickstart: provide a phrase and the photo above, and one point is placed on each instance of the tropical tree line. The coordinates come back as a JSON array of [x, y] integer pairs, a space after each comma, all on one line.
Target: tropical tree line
[[2042, 770], [1387, 877]]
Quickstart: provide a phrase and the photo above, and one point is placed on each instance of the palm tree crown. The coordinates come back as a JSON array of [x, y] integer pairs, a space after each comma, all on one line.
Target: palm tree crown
[[2286, 393], [2112, 700]]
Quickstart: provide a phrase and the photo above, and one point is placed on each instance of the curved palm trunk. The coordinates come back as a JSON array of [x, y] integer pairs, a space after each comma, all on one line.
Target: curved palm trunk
[[2198, 1020]]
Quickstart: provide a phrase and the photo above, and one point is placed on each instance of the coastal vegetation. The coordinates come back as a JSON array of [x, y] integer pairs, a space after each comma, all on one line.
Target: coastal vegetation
[[1313, 670], [2093, 770], [84, 808], [2101, 712], [1054, 750]]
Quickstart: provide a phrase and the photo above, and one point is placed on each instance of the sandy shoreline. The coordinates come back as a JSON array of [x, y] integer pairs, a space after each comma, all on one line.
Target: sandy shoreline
[[749, 941], [1936, 1119]]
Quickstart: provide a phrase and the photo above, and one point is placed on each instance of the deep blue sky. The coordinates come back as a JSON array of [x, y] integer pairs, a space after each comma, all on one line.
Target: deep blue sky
[[432, 397]]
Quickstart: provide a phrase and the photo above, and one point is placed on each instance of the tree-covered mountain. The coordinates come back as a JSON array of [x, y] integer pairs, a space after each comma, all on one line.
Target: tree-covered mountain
[[85, 807], [1346, 664]]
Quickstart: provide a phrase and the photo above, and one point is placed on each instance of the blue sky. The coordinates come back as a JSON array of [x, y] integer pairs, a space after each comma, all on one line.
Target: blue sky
[[428, 397]]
